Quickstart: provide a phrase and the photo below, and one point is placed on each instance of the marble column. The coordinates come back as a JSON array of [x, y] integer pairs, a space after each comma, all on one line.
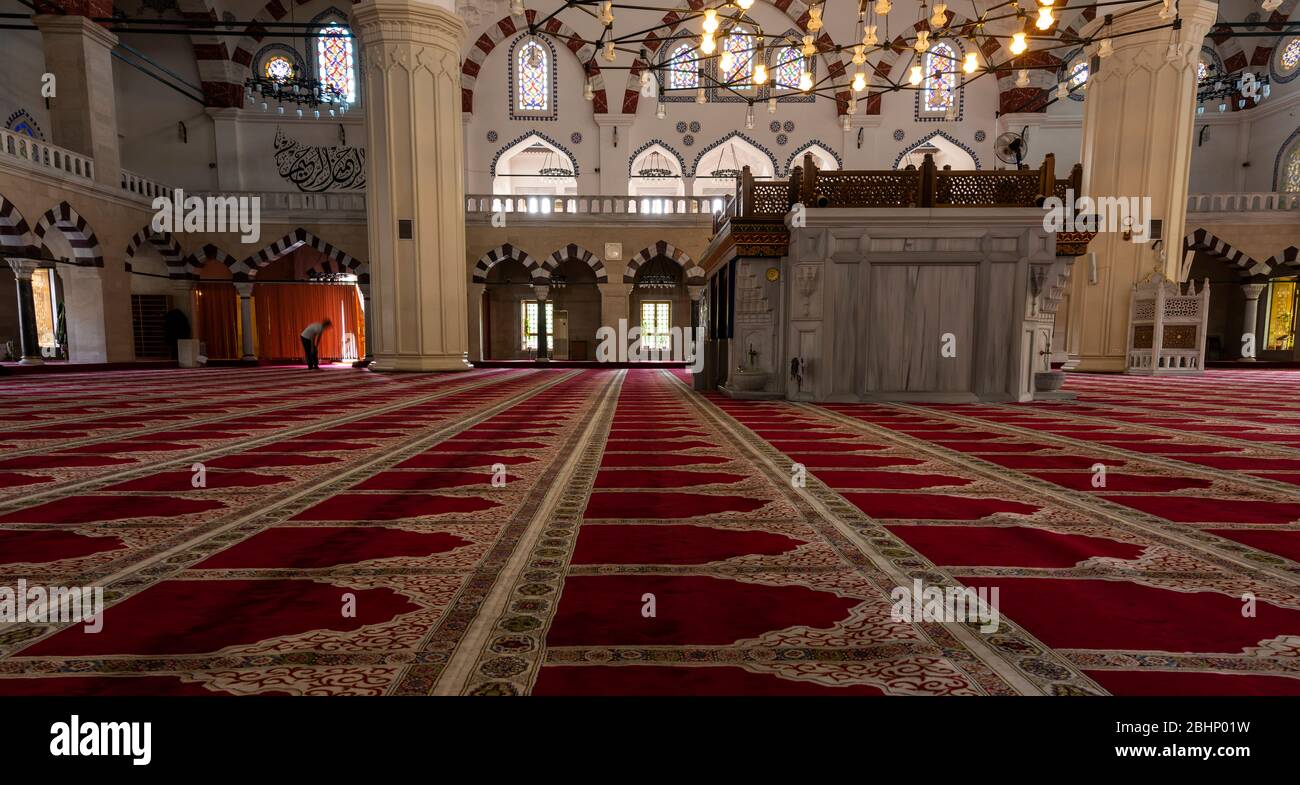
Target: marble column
[[83, 111], [614, 303], [227, 140], [415, 165], [1250, 320], [477, 351], [615, 148], [245, 290], [1138, 128], [29, 344], [543, 328], [367, 316]]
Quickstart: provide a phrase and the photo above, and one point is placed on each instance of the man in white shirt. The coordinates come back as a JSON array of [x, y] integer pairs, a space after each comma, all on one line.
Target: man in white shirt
[[311, 342]]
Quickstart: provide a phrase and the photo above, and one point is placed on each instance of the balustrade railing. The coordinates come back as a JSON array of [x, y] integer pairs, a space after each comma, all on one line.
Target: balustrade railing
[[44, 154], [926, 186], [143, 186], [648, 207], [1245, 201]]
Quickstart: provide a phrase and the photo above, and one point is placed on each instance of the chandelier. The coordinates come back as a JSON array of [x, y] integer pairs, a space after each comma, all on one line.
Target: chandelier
[[657, 275], [729, 56], [655, 167], [1247, 89], [723, 170], [288, 84], [553, 167]]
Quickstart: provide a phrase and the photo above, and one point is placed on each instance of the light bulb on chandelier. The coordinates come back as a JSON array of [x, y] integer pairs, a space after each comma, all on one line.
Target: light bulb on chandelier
[[883, 7], [771, 105], [1018, 43], [940, 16], [707, 45], [859, 81], [760, 74], [1045, 19], [815, 18], [870, 38], [922, 41], [606, 13], [970, 64], [805, 81], [915, 76], [710, 21]]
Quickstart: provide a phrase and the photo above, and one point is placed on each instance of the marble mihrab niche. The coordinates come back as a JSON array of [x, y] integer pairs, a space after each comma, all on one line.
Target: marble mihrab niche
[[313, 168]]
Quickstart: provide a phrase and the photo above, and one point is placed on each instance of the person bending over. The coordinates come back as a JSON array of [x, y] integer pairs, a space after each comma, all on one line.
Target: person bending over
[[311, 342]]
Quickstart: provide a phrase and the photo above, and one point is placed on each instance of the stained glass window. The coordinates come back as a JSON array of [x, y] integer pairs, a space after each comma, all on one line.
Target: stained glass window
[[788, 68], [940, 88], [1291, 174], [741, 45], [1290, 57], [683, 70], [533, 77], [336, 60], [1202, 70], [277, 67], [1281, 315], [1079, 74]]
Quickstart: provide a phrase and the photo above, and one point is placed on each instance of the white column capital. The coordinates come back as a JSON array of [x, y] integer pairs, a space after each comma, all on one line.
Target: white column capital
[[1253, 290], [244, 288], [23, 268]]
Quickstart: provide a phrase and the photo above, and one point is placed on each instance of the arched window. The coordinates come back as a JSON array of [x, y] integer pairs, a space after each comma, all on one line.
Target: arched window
[[741, 46], [683, 71], [786, 73], [1287, 65], [1290, 57], [277, 67], [939, 91], [1291, 171], [532, 77], [336, 60]]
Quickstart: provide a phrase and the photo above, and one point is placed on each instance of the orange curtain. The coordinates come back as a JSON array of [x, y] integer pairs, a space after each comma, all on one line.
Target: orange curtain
[[216, 319], [283, 311]]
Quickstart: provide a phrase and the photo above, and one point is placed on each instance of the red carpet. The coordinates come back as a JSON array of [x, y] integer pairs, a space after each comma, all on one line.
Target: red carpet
[[607, 532]]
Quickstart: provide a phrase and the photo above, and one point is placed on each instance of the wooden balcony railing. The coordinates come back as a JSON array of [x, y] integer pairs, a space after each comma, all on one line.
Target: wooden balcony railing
[[926, 186]]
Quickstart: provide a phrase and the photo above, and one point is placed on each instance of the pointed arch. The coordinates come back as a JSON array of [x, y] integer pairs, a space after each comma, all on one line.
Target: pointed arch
[[85, 245], [166, 245], [1215, 248], [508, 26], [1288, 258], [520, 142], [938, 135], [797, 156], [15, 236], [576, 253], [208, 253], [336, 261], [693, 273], [651, 145], [727, 138], [492, 258]]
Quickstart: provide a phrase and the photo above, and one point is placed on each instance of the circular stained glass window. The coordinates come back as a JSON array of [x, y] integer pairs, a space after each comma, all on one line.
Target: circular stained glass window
[[278, 68]]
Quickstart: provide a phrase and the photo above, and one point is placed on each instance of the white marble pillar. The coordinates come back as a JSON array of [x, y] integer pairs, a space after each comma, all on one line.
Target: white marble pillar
[[615, 148], [245, 290], [227, 140], [543, 327], [1250, 320], [29, 347], [1139, 122], [614, 304], [98, 315], [83, 111], [415, 166], [367, 313], [477, 351]]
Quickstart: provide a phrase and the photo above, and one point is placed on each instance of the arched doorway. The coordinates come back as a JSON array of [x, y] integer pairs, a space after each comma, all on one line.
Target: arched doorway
[[576, 300], [510, 312]]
